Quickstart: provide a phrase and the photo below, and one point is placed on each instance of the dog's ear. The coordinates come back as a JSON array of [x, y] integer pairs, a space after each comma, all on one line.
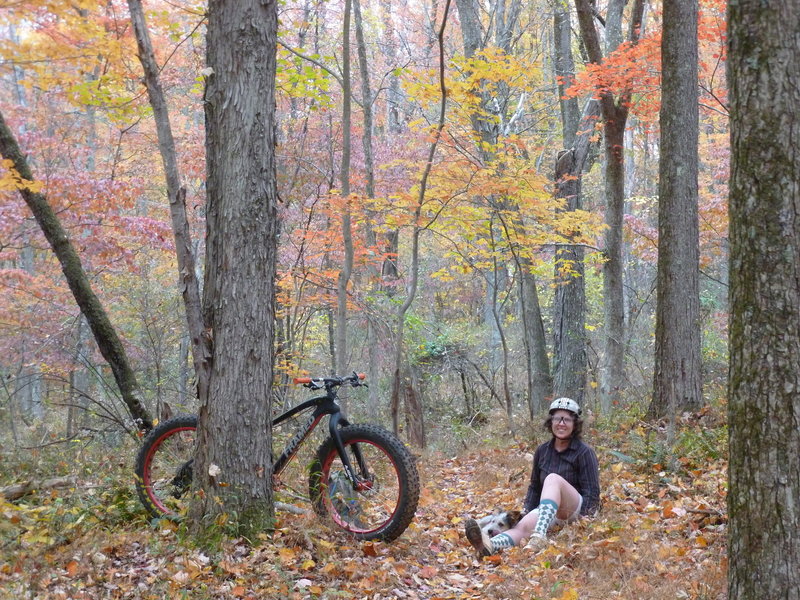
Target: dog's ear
[[514, 516]]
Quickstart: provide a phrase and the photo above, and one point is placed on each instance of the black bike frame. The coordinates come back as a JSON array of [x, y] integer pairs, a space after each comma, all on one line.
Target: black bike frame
[[325, 405]]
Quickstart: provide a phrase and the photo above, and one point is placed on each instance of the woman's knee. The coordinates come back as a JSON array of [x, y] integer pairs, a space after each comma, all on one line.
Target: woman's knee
[[554, 478]]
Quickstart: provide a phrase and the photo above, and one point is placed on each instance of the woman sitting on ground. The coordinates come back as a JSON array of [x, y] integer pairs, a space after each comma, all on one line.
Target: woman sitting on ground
[[565, 485]]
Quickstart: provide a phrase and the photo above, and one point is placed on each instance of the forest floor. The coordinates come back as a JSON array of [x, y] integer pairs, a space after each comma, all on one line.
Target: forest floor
[[661, 534]]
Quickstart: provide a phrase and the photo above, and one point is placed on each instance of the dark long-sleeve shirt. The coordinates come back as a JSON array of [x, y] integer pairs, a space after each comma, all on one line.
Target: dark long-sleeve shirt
[[577, 464]]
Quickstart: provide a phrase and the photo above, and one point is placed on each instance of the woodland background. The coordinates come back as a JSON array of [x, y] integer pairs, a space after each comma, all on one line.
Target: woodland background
[[71, 87]]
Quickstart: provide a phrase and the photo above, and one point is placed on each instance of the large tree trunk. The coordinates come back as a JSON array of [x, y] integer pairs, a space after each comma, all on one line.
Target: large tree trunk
[[676, 377], [485, 130], [105, 335], [471, 31], [233, 463], [388, 44], [764, 375]]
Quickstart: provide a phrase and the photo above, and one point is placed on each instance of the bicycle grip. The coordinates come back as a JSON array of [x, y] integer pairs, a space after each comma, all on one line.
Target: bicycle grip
[[362, 376], [298, 380]]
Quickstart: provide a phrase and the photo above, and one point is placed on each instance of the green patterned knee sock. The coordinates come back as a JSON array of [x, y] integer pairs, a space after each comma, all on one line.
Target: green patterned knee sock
[[501, 541], [547, 512]]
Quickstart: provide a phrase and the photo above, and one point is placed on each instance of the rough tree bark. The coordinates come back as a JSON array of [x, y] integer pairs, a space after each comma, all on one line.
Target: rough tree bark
[[105, 335], [676, 377], [233, 464], [764, 376]]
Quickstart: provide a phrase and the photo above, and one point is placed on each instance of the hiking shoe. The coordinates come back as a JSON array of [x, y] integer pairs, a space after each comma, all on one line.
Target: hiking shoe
[[537, 543], [479, 540]]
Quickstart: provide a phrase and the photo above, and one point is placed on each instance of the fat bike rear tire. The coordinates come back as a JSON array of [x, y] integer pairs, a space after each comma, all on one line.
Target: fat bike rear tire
[[164, 466]]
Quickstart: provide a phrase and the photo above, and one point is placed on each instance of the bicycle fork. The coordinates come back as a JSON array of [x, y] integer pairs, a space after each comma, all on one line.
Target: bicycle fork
[[359, 483]]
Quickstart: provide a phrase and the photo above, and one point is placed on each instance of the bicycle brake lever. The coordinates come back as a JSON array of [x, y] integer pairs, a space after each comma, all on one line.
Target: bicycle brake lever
[[355, 380]]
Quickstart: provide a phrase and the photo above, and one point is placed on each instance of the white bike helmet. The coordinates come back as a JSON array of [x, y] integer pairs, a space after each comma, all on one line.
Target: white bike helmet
[[565, 404]]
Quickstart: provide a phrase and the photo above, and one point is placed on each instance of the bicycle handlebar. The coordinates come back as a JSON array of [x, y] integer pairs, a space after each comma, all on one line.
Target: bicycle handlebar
[[319, 382]]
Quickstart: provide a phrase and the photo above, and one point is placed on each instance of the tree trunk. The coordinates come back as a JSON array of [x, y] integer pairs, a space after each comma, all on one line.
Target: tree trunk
[[764, 375], [471, 31], [540, 384], [413, 275], [564, 66], [233, 464], [487, 130], [28, 380], [612, 372], [342, 357], [369, 190], [676, 378], [366, 101], [28, 391], [498, 322], [390, 239], [506, 18], [569, 302], [184, 252], [615, 115], [613, 28], [105, 335], [415, 420], [79, 379]]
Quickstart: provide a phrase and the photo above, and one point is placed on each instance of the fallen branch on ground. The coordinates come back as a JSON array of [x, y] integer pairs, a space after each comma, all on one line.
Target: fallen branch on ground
[[18, 490]]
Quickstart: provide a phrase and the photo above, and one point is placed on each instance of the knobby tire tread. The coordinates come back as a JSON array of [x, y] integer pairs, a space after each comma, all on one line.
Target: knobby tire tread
[[157, 435], [407, 473]]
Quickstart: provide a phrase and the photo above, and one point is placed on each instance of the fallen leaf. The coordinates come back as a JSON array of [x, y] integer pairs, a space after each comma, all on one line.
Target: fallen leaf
[[72, 568], [427, 571]]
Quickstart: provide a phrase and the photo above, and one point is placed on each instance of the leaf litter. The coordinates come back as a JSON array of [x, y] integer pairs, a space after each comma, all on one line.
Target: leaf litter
[[660, 534]]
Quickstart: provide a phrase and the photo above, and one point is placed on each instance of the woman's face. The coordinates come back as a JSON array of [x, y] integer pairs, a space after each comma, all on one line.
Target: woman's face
[[563, 424]]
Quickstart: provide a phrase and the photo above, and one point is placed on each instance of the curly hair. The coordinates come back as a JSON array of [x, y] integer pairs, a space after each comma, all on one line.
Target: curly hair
[[577, 429]]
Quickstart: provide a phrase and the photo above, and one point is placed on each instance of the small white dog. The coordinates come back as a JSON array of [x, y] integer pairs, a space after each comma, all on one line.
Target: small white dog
[[499, 521]]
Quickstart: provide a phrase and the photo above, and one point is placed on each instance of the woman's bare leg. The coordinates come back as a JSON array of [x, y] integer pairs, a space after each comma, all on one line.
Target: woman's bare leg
[[560, 491], [559, 499]]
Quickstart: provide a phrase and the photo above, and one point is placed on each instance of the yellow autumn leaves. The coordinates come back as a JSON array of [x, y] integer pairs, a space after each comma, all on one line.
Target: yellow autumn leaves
[[11, 180]]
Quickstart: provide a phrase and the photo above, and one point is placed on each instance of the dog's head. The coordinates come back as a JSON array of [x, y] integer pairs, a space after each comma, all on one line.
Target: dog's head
[[499, 521]]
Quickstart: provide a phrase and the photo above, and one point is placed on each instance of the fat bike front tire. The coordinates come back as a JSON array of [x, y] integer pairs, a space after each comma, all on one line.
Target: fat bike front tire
[[384, 502], [164, 466]]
